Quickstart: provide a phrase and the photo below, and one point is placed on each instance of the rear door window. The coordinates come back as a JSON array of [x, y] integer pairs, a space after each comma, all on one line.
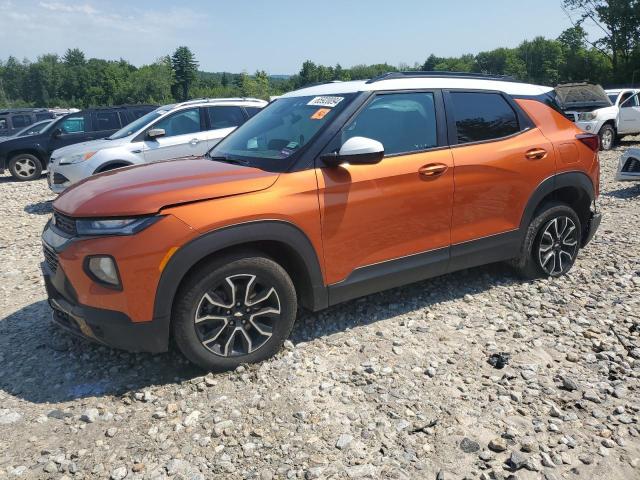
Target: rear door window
[[482, 116], [402, 122], [225, 117], [21, 121], [106, 121]]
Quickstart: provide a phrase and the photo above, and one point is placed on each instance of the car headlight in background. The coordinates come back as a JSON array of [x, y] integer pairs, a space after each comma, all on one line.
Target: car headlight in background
[[103, 269], [114, 226], [77, 158], [587, 116]]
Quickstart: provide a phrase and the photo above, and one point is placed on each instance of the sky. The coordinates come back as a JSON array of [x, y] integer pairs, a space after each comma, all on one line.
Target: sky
[[273, 35]]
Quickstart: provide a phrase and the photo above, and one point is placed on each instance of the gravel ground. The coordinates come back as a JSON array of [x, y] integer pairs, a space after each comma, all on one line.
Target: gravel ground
[[396, 385]]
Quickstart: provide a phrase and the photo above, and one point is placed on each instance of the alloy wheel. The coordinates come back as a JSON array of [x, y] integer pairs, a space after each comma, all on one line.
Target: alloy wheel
[[558, 246], [237, 316], [607, 139], [25, 167]]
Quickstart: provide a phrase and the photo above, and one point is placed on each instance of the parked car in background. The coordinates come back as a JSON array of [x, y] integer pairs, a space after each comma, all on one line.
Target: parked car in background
[[611, 114], [16, 119], [172, 131], [33, 129], [27, 156], [629, 166], [329, 193]]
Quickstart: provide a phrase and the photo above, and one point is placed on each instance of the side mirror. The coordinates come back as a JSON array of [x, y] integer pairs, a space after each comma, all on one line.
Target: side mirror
[[57, 133], [356, 151], [156, 132]]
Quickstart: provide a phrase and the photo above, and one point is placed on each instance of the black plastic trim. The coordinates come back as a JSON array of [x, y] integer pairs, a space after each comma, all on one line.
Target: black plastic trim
[[92, 276], [389, 274], [573, 179], [237, 235]]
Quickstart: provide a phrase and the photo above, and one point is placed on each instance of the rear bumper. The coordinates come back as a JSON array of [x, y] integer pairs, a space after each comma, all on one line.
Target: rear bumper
[[108, 327]]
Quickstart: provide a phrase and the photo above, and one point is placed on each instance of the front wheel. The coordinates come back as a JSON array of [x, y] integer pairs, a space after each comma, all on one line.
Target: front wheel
[[551, 243], [607, 137], [237, 309], [24, 167]]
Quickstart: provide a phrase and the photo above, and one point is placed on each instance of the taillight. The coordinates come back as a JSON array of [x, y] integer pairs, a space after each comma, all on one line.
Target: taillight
[[590, 140]]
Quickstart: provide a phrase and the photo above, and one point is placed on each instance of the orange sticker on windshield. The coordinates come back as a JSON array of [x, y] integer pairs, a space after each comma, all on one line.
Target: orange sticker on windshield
[[320, 113]]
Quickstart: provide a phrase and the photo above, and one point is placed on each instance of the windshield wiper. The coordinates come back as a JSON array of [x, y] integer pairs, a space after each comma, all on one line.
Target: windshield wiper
[[233, 161]]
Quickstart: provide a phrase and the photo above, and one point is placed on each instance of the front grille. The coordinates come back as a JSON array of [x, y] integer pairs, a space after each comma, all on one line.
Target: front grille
[[51, 258], [64, 223], [632, 165]]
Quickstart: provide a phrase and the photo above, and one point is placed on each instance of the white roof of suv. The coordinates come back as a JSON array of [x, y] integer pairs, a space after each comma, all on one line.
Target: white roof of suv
[[417, 82]]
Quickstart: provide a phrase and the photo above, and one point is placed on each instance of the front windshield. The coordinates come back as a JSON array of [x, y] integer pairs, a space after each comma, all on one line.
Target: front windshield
[[272, 138], [613, 98], [136, 125], [34, 129]]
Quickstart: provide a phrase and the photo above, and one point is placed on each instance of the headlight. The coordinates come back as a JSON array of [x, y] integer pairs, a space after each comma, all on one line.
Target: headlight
[[103, 269], [587, 116], [77, 158], [115, 226]]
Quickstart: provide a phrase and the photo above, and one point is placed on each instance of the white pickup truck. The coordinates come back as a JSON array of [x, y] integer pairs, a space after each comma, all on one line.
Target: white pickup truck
[[611, 114]]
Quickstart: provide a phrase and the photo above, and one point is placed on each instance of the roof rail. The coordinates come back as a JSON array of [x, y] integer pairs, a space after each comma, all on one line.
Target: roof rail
[[439, 74], [215, 100]]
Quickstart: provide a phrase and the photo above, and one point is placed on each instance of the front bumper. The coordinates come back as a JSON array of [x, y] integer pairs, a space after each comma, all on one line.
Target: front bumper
[[590, 126], [107, 327]]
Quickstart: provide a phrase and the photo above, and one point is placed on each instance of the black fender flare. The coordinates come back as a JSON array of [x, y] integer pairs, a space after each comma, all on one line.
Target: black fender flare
[[236, 235], [579, 180]]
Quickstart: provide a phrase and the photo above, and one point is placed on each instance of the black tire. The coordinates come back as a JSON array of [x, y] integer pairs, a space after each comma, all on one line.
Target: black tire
[[607, 136], [534, 261], [234, 331], [24, 167]]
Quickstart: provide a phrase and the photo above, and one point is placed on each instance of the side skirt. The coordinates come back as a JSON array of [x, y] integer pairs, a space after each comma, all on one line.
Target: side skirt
[[413, 268]]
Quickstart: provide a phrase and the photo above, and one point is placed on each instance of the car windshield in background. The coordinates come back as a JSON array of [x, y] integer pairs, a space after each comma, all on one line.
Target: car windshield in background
[[613, 98], [136, 125], [271, 139]]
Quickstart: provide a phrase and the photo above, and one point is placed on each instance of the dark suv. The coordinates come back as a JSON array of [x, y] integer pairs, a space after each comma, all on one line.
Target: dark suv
[[14, 120], [26, 157]]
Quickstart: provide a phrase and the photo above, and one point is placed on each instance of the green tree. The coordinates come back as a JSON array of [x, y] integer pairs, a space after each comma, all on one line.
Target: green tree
[[618, 26], [185, 69]]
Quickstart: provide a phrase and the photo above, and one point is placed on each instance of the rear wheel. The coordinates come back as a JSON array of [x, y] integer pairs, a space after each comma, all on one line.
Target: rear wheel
[[237, 309], [24, 167], [607, 137], [551, 243]]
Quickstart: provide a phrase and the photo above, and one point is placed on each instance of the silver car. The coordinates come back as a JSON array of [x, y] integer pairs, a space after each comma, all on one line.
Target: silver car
[[173, 131]]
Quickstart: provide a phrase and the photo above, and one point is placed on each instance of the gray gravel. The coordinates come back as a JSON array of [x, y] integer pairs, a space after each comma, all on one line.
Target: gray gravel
[[396, 385]]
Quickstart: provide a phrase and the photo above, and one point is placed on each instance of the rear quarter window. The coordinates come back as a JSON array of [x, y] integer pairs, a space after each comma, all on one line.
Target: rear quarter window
[[482, 116]]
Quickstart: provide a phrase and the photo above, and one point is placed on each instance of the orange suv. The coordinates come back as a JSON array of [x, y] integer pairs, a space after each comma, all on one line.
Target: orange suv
[[330, 193]]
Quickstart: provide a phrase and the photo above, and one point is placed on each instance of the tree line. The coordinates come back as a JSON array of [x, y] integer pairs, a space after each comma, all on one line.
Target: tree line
[[75, 81]]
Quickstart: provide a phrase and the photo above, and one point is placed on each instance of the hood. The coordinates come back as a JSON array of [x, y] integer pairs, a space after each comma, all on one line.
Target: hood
[[145, 189], [581, 95], [90, 146]]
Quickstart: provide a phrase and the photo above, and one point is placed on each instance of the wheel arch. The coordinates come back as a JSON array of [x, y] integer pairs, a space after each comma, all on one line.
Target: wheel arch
[[110, 165], [573, 188], [29, 151], [280, 240]]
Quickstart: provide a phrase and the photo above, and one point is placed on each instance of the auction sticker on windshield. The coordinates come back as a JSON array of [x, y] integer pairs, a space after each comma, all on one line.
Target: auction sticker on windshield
[[325, 101]]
